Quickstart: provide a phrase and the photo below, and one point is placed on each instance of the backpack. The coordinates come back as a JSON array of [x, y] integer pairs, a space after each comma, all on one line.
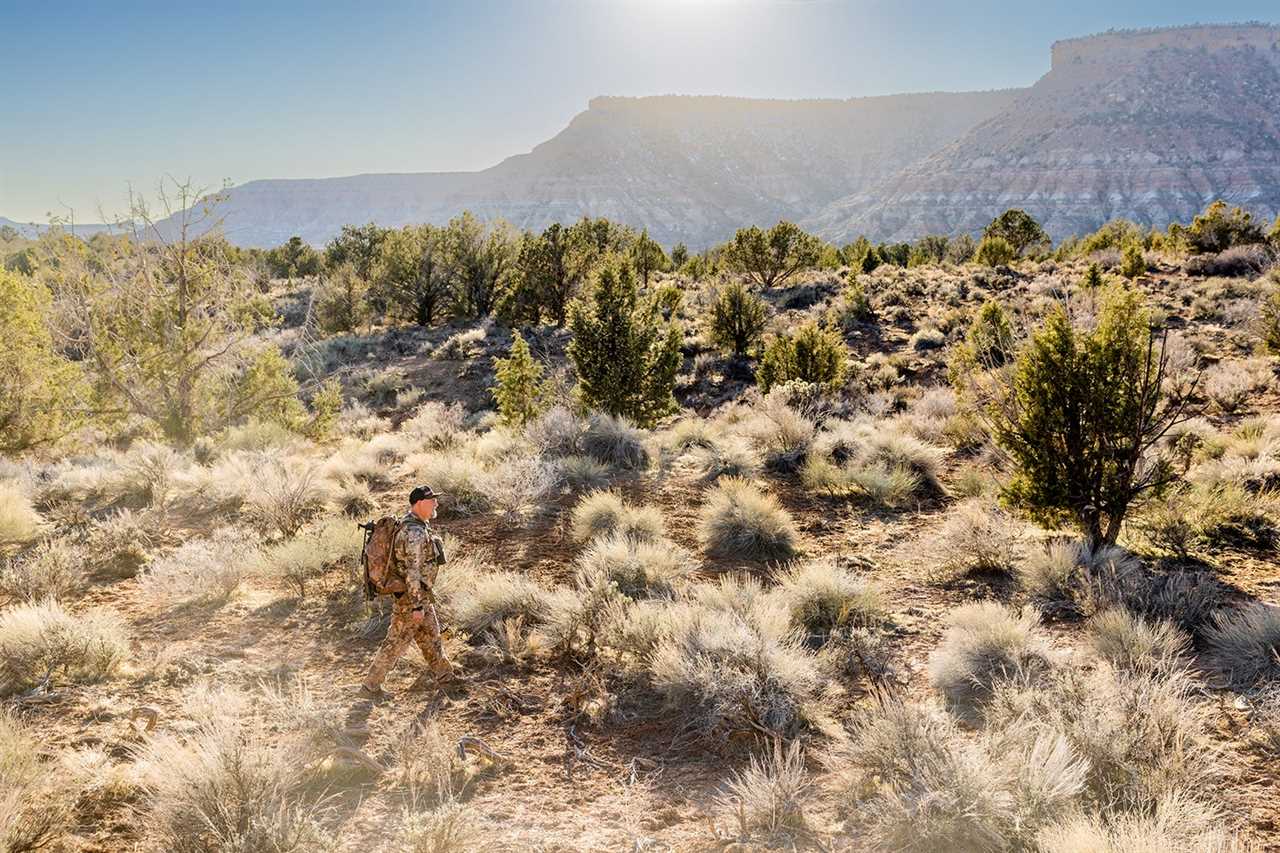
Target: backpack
[[382, 573]]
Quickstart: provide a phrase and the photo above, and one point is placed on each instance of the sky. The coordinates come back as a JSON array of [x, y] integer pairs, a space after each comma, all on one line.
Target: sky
[[100, 97]]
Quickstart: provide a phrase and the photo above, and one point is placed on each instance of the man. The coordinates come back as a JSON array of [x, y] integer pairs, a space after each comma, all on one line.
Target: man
[[413, 617]]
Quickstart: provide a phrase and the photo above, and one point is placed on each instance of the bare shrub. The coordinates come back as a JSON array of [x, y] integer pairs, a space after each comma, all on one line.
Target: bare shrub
[[518, 487], [768, 798], [731, 673], [740, 521], [285, 498], [227, 786], [118, 545], [35, 798], [976, 536], [43, 643], [635, 568], [615, 441], [1244, 644], [435, 425], [488, 599], [1142, 734], [450, 827], [19, 522], [53, 570], [353, 499], [823, 597], [986, 645], [922, 785], [148, 471], [199, 570], [307, 556], [1229, 385], [556, 433], [1135, 645]]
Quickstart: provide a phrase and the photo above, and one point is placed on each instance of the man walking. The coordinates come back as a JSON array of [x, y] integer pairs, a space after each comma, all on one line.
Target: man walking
[[413, 617]]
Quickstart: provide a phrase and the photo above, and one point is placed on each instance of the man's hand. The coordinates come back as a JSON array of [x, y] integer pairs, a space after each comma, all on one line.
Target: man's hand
[[418, 615]]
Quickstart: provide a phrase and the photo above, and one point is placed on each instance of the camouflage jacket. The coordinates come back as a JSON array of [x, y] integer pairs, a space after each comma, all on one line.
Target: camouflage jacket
[[415, 551]]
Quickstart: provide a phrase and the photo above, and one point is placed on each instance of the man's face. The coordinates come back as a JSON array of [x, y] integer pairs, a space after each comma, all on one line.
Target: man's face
[[425, 508]]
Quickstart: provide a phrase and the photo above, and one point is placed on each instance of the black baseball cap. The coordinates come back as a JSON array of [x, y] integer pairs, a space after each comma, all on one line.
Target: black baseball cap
[[422, 493]]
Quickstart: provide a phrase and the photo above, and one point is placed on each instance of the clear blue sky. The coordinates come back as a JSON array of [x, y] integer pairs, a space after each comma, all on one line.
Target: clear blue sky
[[98, 95]]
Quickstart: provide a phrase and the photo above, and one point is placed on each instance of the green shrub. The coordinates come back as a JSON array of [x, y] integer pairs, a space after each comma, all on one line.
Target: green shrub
[[737, 320], [1017, 229], [810, 354], [1269, 320], [1133, 264], [625, 360], [994, 252], [520, 392], [1219, 228]]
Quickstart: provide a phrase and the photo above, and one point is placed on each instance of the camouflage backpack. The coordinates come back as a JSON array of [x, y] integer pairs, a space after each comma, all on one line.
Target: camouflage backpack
[[383, 574]]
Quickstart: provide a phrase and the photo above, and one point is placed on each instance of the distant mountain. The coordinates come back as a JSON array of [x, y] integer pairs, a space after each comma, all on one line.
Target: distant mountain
[[32, 230], [1147, 125], [687, 168]]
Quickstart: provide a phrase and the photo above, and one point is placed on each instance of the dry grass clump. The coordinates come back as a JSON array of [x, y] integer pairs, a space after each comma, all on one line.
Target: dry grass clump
[[286, 497], [435, 425], [1176, 823], [582, 473], [986, 645], [822, 597], [976, 537], [767, 799], [604, 513], [729, 457], [556, 433], [227, 785], [450, 827], [458, 475], [518, 487], [118, 545], [875, 459], [42, 643], [781, 434], [1143, 734], [148, 473], [1066, 576], [635, 568], [307, 556], [353, 499], [487, 599], [896, 450], [921, 784], [614, 441], [1244, 643], [35, 800], [1132, 644], [741, 522], [1230, 384], [55, 569], [734, 672], [199, 570], [20, 524]]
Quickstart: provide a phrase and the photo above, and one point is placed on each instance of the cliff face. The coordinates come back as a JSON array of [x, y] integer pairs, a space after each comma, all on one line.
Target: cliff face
[[687, 168], [1148, 126]]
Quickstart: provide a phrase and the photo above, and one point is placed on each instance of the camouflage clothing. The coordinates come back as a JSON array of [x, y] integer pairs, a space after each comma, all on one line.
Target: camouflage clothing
[[414, 552]]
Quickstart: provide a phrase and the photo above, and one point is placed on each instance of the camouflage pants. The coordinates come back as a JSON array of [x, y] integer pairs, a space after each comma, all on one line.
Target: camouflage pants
[[400, 634]]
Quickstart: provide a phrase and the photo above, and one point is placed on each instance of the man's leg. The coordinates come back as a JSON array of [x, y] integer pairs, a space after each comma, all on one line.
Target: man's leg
[[400, 633], [428, 639]]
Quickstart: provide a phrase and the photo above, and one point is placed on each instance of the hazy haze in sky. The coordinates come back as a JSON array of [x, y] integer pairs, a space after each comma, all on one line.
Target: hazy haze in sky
[[98, 96]]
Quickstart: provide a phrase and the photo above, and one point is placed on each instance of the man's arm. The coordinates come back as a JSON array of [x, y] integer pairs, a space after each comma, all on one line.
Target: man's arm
[[415, 542]]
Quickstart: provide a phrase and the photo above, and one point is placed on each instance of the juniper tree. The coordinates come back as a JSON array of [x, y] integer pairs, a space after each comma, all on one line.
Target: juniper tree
[[647, 257], [737, 319], [771, 257], [625, 358], [520, 391], [994, 251], [1081, 413], [411, 277], [1018, 229], [811, 354]]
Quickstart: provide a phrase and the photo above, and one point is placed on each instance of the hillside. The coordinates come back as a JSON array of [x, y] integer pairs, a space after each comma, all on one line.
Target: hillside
[[1149, 126], [687, 168]]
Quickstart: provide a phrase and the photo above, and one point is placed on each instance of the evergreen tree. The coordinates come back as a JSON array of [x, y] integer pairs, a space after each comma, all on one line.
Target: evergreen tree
[[1093, 278], [1082, 414], [39, 388], [994, 252], [680, 252], [647, 257], [1018, 229], [771, 257], [737, 319], [625, 359], [520, 392], [1133, 264]]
